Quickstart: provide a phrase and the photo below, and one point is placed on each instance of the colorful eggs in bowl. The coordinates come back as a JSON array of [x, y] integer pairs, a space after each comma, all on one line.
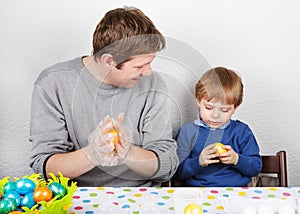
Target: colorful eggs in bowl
[[32, 194]]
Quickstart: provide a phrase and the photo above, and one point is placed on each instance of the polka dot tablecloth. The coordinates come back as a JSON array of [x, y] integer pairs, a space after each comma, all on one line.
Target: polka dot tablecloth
[[157, 200]]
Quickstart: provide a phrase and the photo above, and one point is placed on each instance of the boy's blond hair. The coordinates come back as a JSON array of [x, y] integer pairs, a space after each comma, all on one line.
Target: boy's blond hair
[[220, 84]]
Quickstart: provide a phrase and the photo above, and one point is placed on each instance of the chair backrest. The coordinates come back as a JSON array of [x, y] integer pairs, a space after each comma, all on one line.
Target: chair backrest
[[274, 165]]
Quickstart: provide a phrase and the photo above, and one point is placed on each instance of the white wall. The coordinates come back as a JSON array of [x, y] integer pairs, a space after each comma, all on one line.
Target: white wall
[[259, 39]]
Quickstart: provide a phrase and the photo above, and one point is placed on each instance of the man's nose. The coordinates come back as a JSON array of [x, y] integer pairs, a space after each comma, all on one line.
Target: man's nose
[[147, 71]]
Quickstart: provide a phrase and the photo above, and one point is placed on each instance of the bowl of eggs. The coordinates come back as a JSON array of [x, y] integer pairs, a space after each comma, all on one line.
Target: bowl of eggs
[[33, 194]]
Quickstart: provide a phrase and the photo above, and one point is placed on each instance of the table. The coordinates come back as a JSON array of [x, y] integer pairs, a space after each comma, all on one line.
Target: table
[[155, 200]]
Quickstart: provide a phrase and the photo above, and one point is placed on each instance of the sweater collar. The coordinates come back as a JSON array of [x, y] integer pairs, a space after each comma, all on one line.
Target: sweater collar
[[92, 80], [199, 122]]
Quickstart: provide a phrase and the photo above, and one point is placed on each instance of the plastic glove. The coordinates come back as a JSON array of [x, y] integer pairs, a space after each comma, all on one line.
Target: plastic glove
[[100, 150], [124, 148]]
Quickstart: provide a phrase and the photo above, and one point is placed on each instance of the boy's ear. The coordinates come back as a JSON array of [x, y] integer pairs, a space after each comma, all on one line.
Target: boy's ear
[[198, 102]]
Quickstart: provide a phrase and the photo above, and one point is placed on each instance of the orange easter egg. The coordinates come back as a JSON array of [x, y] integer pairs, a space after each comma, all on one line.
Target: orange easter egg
[[116, 136], [42, 194]]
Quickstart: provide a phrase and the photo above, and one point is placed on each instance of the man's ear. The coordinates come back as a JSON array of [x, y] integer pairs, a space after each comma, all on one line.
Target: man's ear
[[107, 59]]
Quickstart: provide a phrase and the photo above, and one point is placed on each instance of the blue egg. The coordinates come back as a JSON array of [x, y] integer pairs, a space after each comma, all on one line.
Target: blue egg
[[28, 200], [11, 185], [57, 189], [25, 185], [13, 194]]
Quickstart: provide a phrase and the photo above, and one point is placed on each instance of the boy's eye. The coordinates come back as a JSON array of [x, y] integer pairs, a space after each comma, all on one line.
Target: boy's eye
[[208, 107], [224, 109]]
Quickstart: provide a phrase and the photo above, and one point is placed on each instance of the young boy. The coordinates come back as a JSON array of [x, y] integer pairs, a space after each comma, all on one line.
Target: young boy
[[218, 93]]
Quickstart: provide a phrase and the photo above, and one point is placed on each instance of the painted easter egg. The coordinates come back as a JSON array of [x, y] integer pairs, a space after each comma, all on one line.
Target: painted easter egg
[[7, 205], [57, 189], [28, 200], [42, 194], [25, 185], [13, 194], [116, 136], [193, 209], [219, 149], [11, 185]]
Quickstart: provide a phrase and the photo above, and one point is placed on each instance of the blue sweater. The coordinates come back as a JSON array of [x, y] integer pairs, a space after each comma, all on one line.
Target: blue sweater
[[192, 138]]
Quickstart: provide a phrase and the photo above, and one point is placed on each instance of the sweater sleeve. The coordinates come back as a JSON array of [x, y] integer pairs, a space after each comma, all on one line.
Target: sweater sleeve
[[48, 133], [189, 165], [157, 134], [249, 163]]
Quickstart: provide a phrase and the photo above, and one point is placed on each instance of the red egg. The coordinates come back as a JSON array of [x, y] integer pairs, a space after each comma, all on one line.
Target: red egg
[[42, 194]]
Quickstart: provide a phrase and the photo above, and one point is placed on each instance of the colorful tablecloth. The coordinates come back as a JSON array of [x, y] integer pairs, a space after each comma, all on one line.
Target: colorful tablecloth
[[157, 200]]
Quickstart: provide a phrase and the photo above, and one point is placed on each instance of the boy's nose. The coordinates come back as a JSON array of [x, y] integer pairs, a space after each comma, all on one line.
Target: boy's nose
[[215, 113]]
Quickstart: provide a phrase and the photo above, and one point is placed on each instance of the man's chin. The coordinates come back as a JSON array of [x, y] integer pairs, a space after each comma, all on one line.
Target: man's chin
[[132, 83], [129, 84]]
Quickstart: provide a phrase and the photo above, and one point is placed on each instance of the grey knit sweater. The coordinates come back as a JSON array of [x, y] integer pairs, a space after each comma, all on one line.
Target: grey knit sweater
[[67, 105]]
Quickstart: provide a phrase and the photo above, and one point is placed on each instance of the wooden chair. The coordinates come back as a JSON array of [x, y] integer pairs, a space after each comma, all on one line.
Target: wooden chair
[[274, 171]]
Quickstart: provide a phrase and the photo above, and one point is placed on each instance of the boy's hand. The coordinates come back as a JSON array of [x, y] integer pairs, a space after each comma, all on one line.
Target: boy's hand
[[229, 157], [208, 156]]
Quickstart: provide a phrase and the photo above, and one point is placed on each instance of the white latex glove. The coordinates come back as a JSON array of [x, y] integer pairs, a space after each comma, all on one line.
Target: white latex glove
[[100, 150]]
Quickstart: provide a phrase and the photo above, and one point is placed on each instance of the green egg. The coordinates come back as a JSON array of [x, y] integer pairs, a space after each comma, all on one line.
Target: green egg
[[6, 205], [57, 189]]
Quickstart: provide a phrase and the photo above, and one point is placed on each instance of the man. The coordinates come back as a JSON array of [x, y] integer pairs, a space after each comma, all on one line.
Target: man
[[71, 100]]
